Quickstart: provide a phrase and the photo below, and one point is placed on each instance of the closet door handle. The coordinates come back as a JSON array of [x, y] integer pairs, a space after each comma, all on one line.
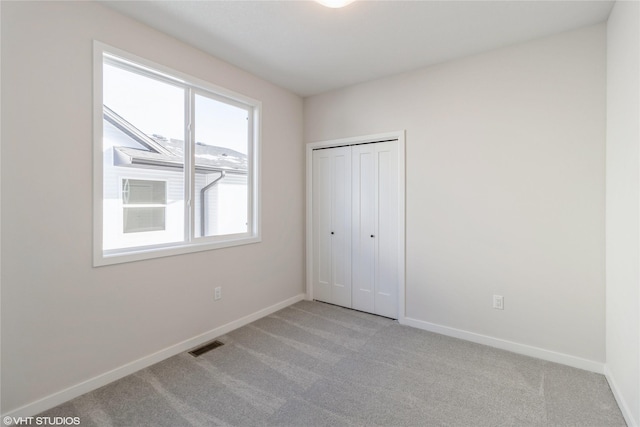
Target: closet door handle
[[332, 233], [373, 235]]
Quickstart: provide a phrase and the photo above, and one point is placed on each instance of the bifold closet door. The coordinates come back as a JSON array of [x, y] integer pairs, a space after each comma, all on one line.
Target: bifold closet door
[[375, 228], [332, 225]]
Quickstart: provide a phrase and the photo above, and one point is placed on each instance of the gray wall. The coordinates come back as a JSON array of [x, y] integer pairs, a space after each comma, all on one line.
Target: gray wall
[[623, 206], [505, 187], [64, 322]]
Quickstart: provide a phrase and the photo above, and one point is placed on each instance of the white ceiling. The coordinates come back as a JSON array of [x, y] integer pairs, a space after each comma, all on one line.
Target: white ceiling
[[309, 49]]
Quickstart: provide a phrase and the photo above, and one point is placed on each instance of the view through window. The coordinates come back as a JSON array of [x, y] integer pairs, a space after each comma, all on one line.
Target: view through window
[[177, 161]]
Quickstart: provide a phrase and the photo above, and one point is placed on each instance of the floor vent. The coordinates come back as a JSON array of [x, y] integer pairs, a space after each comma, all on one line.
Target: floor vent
[[205, 348]]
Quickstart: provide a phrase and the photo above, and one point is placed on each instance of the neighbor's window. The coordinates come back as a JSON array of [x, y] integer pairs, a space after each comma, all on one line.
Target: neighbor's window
[[144, 203], [175, 162]]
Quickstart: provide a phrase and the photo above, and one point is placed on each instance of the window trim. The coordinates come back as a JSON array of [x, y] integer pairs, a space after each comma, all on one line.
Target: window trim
[[101, 257]]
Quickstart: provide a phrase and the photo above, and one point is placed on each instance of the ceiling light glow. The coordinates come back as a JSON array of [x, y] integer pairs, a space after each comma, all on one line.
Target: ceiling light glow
[[335, 3]]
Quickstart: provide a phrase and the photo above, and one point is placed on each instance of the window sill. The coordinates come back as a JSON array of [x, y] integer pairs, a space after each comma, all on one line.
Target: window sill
[[103, 258]]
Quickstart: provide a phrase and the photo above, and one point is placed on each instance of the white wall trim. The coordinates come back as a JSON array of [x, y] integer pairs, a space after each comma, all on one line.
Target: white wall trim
[[400, 137], [514, 347], [91, 384], [622, 403]]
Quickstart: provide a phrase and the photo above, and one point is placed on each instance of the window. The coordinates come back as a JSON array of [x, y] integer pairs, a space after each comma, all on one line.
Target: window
[[175, 162], [144, 203]]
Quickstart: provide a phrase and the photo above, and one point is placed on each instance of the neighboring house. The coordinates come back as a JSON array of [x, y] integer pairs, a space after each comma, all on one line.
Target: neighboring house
[[144, 196]]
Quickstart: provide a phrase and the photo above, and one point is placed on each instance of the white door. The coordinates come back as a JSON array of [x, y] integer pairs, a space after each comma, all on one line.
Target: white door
[[375, 207], [332, 225]]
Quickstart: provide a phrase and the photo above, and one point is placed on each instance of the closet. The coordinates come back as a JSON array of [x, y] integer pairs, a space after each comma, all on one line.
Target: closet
[[356, 226]]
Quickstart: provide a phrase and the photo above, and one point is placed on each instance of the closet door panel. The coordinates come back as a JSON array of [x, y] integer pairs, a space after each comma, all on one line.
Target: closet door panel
[[341, 226], [386, 291], [363, 210], [322, 189]]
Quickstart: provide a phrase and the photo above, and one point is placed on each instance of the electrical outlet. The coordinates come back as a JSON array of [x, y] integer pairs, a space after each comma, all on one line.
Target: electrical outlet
[[217, 294], [498, 302]]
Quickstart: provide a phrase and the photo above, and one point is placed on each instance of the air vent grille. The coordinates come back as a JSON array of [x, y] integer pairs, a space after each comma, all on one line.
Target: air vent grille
[[205, 348]]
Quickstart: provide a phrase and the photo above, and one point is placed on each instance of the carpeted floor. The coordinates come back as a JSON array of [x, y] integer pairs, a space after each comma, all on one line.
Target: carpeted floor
[[314, 364]]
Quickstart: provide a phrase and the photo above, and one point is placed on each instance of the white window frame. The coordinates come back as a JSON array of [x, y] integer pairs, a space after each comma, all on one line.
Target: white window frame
[[190, 244]]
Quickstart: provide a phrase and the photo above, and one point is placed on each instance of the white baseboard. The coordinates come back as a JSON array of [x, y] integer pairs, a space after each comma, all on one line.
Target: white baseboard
[[91, 384], [622, 403], [527, 350]]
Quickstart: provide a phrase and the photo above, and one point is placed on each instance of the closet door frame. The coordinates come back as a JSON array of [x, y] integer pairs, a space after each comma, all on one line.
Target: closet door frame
[[398, 136]]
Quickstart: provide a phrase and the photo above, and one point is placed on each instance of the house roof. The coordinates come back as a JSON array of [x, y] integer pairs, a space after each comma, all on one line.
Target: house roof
[[160, 152]]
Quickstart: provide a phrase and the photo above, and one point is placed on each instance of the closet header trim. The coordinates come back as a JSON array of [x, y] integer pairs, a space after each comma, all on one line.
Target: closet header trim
[[355, 143]]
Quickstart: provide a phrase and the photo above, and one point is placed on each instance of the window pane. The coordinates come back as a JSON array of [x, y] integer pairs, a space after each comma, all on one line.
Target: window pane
[[143, 160], [137, 220], [151, 105], [221, 158], [137, 191]]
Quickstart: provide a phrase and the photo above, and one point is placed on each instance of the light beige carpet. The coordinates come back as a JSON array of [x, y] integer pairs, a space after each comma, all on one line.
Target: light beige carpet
[[314, 364]]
